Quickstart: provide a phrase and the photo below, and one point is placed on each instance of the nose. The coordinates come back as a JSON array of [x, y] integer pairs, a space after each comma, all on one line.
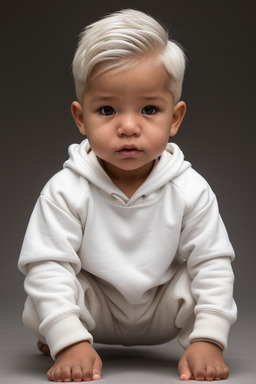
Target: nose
[[128, 125]]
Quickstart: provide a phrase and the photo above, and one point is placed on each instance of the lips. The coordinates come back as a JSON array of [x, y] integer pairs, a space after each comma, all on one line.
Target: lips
[[128, 147], [129, 150]]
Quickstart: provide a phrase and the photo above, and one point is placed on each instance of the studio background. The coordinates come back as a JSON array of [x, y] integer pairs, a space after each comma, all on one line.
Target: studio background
[[38, 40]]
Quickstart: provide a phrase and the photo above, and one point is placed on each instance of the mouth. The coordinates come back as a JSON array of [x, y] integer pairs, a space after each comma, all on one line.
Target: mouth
[[128, 147], [129, 150]]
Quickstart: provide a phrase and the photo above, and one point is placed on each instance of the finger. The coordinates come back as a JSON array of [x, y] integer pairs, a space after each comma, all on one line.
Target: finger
[[77, 373], [87, 373], [199, 372], [66, 373], [96, 375], [56, 374], [50, 375], [97, 368], [184, 370], [210, 373], [226, 372], [222, 373]]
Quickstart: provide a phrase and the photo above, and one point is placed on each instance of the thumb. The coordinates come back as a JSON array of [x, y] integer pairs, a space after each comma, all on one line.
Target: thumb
[[97, 368], [184, 369]]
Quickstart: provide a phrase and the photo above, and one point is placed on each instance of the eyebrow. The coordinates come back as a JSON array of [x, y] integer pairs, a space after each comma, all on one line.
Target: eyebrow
[[101, 98], [106, 98], [157, 98]]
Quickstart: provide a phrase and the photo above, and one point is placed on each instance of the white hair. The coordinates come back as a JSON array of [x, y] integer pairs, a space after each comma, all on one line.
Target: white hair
[[111, 42]]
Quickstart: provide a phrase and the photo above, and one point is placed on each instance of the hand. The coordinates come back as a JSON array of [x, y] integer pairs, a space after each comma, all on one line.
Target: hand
[[203, 361], [78, 362]]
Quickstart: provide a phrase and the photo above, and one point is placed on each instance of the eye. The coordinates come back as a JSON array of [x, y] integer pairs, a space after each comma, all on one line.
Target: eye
[[107, 110], [149, 110]]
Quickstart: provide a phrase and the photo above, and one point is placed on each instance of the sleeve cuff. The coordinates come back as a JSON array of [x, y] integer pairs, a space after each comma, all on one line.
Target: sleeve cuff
[[211, 327], [64, 332]]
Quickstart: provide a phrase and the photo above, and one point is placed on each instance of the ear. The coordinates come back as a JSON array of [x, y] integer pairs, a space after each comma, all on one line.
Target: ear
[[77, 113], [179, 112]]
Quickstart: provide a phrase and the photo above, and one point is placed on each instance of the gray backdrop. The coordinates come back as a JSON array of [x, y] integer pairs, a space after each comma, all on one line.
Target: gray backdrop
[[38, 40]]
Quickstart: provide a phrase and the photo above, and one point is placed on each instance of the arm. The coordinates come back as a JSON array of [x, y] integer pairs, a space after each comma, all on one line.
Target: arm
[[205, 245], [49, 259], [54, 289]]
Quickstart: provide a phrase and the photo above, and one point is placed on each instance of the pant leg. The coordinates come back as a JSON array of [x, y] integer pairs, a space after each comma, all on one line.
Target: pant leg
[[170, 315], [95, 313], [176, 308]]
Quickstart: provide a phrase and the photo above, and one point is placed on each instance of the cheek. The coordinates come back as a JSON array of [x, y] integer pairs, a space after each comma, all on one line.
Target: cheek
[[160, 135], [159, 141], [158, 150], [98, 144]]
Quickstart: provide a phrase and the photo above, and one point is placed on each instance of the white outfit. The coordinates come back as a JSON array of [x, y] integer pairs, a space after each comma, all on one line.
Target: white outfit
[[129, 271]]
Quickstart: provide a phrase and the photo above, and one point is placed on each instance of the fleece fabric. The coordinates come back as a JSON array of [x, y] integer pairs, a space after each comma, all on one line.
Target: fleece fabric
[[131, 246]]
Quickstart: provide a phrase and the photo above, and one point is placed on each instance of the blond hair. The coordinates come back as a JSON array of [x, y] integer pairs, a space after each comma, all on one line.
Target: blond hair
[[111, 42]]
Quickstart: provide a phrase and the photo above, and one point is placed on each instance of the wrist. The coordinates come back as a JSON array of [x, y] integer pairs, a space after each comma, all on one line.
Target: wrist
[[71, 346], [209, 341]]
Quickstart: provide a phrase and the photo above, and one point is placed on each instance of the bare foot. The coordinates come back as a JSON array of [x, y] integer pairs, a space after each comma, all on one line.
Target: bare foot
[[203, 361], [79, 362], [43, 348]]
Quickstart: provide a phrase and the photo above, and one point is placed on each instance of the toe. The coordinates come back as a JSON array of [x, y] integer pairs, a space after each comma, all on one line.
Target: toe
[[43, 348]]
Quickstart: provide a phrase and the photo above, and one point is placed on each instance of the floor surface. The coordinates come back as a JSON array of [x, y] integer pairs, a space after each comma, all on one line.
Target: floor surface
[[21, 363]]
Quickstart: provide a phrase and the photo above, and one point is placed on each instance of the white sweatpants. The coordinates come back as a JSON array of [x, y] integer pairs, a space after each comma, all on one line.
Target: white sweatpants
[[169, 315]]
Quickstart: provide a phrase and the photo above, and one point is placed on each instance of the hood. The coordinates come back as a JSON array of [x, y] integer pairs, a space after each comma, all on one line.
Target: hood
[[84, 162]]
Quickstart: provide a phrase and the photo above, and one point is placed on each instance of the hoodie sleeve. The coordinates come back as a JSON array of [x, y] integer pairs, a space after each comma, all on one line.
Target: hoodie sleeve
[[50, 261], [205, 245]]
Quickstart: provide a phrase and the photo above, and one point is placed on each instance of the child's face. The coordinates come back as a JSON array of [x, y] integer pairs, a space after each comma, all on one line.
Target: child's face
[[129, 115]]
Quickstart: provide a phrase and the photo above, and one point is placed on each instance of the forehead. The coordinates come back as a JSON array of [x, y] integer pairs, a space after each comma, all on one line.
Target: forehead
[[145, 74]]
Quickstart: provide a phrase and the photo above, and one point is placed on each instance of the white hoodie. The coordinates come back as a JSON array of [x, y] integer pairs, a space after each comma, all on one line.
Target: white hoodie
[[83, 221]]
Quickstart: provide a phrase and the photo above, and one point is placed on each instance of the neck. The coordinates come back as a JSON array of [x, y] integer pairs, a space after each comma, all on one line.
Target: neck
[[128, 181]]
